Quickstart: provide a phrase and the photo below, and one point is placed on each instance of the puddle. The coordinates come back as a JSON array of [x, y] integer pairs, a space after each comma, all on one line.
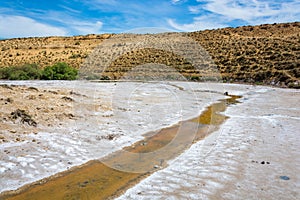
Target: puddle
[[112, 175]]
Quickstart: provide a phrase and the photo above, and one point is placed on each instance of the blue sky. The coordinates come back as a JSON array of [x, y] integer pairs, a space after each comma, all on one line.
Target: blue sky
[[31, 18]]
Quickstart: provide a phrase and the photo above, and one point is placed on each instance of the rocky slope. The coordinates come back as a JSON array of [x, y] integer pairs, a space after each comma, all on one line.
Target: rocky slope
[[264, 54], [48, 50]]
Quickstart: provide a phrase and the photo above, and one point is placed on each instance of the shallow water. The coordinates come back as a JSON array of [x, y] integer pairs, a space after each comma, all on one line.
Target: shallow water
[[110, 176]]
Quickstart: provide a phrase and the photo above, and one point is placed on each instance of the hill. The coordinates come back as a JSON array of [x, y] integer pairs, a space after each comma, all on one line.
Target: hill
[[263, 54]]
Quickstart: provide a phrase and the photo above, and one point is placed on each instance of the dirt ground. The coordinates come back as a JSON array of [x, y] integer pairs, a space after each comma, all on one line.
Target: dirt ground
[[26, 110]]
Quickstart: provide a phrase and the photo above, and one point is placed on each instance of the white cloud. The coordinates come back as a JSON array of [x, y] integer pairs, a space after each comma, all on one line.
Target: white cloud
[[72, 23], [253, 11], [200, 23], [153, 30], [250, 10], [82, 27], [19, 26], [194, 9], [220, 13], [177, 1], [71, 10]]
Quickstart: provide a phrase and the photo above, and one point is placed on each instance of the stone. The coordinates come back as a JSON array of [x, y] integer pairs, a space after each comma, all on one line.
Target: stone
[[286, 178]]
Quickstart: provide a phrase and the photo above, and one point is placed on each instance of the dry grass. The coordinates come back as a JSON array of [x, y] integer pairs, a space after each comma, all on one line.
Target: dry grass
[[264, 54], [268, 54]]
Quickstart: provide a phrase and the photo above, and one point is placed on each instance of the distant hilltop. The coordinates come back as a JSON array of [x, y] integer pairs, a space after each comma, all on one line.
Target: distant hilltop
[[264, 54]]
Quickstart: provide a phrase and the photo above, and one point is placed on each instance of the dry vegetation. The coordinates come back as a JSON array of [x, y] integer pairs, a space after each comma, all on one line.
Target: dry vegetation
[[264, 54], [267, 54], [48, 50]]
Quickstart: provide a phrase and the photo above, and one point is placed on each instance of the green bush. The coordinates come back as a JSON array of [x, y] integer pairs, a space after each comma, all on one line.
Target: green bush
[[3, 73], [25, 72], [32, 71], [194, 78], [59, 71], [97, 77], [19, 75]]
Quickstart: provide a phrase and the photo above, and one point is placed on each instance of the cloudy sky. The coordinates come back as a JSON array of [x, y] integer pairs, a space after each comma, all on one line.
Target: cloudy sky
[[29, 18]]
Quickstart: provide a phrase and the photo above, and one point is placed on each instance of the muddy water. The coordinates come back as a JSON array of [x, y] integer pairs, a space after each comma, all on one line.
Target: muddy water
[[112, 175]]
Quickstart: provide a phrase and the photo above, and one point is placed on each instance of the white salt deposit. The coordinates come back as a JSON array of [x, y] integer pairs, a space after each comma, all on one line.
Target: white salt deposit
[[258, 144], [225, 165]]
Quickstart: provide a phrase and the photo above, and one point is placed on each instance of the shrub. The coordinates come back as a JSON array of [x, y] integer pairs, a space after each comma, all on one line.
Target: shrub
[[59, 71], [97, 77], [3, 73], [18, 75], [25, 72], [195, 78], [32, 70]]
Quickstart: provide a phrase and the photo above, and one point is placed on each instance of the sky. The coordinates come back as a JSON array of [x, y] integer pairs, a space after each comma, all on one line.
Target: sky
[[35, 18]]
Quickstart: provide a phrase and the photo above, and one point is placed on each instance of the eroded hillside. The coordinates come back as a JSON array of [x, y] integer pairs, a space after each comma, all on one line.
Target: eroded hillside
[[267, 53], [264, 54]]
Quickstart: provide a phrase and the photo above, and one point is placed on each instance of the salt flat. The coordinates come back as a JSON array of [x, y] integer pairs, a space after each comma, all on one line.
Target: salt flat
[[247, 158], [263, 128]]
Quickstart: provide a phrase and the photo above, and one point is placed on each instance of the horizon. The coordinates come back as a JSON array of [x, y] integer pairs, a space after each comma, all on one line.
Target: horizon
[[32, 18], [128, 32]]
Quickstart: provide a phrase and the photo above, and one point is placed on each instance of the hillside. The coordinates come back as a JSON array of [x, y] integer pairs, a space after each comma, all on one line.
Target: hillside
[[264, 54]]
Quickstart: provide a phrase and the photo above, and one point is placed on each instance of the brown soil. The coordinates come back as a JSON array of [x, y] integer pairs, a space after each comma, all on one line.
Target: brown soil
[[267, 54], [27, 110], [46, 51], [264, 54]]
